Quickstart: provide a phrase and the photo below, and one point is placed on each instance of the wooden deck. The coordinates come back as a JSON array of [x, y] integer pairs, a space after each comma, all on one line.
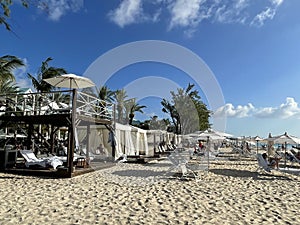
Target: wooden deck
[[56, 109]]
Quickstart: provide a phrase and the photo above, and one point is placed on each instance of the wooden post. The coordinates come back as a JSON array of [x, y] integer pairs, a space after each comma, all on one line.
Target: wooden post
[[154, 143], [208, 151], [88, 143], [113, 147], [72, 128], [30, 131], [69, 150], [52, 139]]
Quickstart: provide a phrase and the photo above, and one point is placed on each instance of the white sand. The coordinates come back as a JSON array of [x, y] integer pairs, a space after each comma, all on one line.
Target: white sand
[[231, 193]]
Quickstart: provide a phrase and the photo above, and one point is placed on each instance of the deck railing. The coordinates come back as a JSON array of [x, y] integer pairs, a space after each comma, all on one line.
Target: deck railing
[[57, 102], [91, 106]]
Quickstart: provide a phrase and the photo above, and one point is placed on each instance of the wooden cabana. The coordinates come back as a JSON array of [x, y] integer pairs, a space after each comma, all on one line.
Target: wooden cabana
[[68, 109]]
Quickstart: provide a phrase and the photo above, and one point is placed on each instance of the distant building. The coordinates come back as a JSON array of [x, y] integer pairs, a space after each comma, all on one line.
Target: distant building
[[25, 90]]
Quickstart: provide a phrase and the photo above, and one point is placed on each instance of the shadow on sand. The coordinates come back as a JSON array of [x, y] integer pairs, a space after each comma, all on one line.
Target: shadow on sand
[[139, 173], [248, 174]]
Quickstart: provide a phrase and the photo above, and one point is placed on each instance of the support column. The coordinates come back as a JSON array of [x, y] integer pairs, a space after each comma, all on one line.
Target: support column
[[30, 132], [88, 143], [72, 128]]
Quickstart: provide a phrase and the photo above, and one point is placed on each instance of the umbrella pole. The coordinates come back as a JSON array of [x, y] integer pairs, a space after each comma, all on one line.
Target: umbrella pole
[[208, 148], [285, 154]]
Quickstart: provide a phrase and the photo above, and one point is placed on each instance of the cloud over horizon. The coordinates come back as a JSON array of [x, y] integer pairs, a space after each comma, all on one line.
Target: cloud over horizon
[[58, 8], [190, 13], [289, 109], [186, 14], [268, 13]]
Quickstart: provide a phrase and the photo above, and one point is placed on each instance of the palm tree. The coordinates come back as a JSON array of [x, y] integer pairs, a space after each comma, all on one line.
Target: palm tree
[[120, 99], [7, 64], [134, 107], [8, 87], [170, 109], [7, 99], [45, 72], [5, 12], [105, 94]]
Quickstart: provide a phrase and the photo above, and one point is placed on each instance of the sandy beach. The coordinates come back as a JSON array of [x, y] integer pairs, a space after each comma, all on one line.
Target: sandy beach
[[232, 192]]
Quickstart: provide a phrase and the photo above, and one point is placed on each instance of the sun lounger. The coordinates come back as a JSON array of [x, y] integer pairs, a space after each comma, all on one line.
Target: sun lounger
[[262, 163], [122, 159], [179, 160], [32, 160], [288, 156], [293, 158]]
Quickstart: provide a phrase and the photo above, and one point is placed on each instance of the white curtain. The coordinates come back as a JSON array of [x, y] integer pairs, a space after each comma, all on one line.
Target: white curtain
[[139, 138], [129, 147], [98, 135], [124, 140]]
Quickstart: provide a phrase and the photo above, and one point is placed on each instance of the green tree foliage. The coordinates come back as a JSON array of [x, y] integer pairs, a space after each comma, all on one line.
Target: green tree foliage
[[156, 124], [120, 99], [132, 107], [8, 87], [44, 72], [187, 111], [126, 108], [5, 6], [105, 94], [170, 109], [8, 64]]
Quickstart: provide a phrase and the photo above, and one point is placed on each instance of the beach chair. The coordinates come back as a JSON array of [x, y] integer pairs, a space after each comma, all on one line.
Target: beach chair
[[243, 152], [179, 160], [262, 163], [292, 158], [122, 159], [203, 162], [32, 160], [63, 156]]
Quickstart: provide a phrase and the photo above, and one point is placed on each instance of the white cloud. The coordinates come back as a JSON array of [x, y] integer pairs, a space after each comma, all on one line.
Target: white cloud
[[230, 111], [286, 110], [266, 14], [289, 109], [57, 8], [277, 2], [184, 12], [188, 14], [128, 12], [260, 18], [20, 75], [232, 13]]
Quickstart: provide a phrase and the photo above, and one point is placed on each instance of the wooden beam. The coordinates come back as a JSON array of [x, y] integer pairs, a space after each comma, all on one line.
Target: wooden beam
[[88, 143]]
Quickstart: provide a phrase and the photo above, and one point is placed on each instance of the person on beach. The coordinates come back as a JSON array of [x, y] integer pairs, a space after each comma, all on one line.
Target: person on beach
[[201, 146], [273, 162], [101, 150], [298, 155]]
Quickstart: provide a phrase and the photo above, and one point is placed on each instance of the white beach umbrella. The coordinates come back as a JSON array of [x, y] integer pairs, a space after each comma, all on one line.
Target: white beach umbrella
[[284, 139], [257, 139], [209, 136], [71, 81], [204, 135], [220, 133]]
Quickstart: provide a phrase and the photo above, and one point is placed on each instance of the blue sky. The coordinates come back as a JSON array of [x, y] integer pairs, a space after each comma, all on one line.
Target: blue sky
[[251, 47]]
